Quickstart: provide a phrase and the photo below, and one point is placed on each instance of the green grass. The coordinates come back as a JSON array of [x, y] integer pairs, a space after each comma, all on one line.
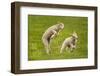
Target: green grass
[[38, 24]]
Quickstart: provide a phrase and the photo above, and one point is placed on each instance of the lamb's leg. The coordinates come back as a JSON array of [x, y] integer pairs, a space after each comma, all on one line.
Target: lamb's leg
[[62, 48], [54, 35], [71, 47], [46, 45], [47, 49]]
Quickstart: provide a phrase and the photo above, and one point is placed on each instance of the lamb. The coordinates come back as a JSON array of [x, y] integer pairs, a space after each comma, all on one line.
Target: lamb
[[70, 42], [50, 33]]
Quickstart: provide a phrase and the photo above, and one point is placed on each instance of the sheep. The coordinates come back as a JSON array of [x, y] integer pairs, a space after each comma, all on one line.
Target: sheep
[[70, 42], [50, 33]]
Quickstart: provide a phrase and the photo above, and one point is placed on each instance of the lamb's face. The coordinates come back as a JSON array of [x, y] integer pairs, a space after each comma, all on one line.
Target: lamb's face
[[75, 35], [61, 25]]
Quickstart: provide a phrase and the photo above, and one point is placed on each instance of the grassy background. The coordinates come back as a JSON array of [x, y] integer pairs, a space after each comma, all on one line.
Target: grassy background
[[38, 24]]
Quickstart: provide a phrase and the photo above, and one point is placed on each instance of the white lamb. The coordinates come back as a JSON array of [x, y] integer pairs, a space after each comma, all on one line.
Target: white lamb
[[70, 42], [49, 34]]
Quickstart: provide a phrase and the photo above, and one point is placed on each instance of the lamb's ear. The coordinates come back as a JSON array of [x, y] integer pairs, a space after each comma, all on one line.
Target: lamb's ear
[[74, 32], [71, 34]]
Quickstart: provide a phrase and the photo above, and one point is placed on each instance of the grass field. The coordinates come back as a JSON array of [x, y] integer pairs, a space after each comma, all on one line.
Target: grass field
[[38, 24]]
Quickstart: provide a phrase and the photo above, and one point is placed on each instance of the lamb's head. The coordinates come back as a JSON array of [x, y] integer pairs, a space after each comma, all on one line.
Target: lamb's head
[[74, 35], [60, 25]]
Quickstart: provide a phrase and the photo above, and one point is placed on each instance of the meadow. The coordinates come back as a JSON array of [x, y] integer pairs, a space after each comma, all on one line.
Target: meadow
[[37, 24]]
